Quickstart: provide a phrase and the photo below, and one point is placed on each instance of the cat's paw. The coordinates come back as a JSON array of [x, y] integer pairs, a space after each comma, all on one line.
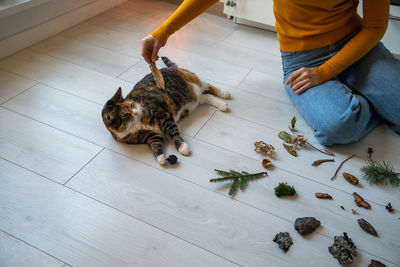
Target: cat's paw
[[226, 95], [223, 107], [161, 159], [184, 149]]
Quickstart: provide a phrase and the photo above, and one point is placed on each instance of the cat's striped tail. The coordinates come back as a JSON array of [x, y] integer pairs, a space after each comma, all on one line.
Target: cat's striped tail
[[168, 62]]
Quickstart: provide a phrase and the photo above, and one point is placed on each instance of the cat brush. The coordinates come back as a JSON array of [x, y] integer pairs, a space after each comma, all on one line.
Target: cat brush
[[157, 76]]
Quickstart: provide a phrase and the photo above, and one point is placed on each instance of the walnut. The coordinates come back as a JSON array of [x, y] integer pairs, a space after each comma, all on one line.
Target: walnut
[[267, 163]]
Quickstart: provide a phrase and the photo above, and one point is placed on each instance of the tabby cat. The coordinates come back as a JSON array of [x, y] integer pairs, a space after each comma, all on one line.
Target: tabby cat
[[148, 114]]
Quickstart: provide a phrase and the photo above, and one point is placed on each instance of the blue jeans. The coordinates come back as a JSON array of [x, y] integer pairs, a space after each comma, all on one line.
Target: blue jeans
[[350, 105]]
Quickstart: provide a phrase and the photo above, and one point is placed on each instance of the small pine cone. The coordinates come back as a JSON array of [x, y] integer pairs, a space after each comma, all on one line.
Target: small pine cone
[[172, 159], [350, 178]]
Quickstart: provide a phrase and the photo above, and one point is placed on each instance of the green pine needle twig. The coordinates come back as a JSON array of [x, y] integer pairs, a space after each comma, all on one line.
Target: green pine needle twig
[[240, 179], [380, 173]]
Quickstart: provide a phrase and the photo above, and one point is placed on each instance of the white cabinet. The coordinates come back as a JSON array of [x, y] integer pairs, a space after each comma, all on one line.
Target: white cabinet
[[248, 11]]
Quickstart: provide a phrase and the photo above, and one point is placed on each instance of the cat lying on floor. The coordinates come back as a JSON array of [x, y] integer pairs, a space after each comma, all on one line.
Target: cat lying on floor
[[148, 114]]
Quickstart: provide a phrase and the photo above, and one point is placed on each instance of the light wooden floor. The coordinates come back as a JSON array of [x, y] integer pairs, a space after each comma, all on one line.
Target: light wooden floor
[[69, 194]]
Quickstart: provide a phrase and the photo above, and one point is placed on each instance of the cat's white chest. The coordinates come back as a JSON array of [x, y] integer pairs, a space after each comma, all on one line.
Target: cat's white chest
[[134, 128]]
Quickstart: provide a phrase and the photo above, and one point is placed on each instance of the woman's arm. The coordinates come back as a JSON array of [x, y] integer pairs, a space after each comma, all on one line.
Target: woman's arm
[[375, 21], [187, 11]]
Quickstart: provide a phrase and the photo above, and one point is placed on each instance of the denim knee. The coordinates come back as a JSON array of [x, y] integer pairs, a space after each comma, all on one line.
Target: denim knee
[[345, 127]]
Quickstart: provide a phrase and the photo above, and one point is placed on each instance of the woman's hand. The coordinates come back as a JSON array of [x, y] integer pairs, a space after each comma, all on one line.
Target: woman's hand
[[150, 48], [302, 80]]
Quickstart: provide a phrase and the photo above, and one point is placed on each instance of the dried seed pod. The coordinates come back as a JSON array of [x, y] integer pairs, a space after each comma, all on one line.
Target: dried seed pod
[[360, 201], [367, 227], [343, 249], [172, 159], [375, 263], [261, 146], [389, 207], [319, 162], [157, 76], [306, 225], [323, 195], [350, 178], [370, 151], [284, 240], [267, 163]]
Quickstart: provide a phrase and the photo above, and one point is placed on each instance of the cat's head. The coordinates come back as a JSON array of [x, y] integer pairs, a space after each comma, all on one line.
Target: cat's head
[[119, 115]]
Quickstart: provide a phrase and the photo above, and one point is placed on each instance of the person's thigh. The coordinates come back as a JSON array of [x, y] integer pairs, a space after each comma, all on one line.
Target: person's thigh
[[336, 114], [376, 76]]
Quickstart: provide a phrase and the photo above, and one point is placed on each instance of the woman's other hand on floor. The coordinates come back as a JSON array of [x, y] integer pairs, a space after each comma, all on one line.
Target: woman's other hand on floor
[[150, 48], [302, 80]]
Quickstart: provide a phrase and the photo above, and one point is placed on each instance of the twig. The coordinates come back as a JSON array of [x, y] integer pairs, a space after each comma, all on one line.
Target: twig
[[319, 162], [324, 151], [341, 164]]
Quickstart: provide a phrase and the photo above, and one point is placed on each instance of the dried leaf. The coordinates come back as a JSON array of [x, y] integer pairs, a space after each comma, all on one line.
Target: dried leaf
[[293, 123], [287, 137], [290, 150]]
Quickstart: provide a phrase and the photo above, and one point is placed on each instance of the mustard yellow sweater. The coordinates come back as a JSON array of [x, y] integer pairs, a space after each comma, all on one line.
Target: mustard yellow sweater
[[308, 24]]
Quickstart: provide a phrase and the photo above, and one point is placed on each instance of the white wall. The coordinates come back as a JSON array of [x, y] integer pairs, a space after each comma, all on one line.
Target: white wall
[[29, 26]]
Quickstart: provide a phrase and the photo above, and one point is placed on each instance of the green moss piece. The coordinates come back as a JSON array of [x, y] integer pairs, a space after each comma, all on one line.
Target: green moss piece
[[283, 189]]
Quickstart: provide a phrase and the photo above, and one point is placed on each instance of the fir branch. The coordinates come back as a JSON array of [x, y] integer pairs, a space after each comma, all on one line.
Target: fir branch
[[243, 183], [380, 173], [239, 178], [233, 188]]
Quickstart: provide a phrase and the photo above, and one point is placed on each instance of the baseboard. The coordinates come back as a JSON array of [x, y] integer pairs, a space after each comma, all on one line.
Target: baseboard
[[47, 29], [217, 9]]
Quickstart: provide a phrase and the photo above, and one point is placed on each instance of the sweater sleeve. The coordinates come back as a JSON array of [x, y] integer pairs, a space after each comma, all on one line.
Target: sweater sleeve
[[375, 21], [187, 11]]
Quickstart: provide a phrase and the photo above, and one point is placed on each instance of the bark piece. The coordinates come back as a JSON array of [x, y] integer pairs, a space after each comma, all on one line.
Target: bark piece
[[375, 263], [367, 227], [350, 178], [306, 225], [284, 240], [343, 249], [360, 201], [323, 195]]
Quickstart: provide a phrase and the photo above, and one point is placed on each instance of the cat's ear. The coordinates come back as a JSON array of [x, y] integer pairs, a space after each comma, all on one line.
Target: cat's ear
[[118, 95]]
